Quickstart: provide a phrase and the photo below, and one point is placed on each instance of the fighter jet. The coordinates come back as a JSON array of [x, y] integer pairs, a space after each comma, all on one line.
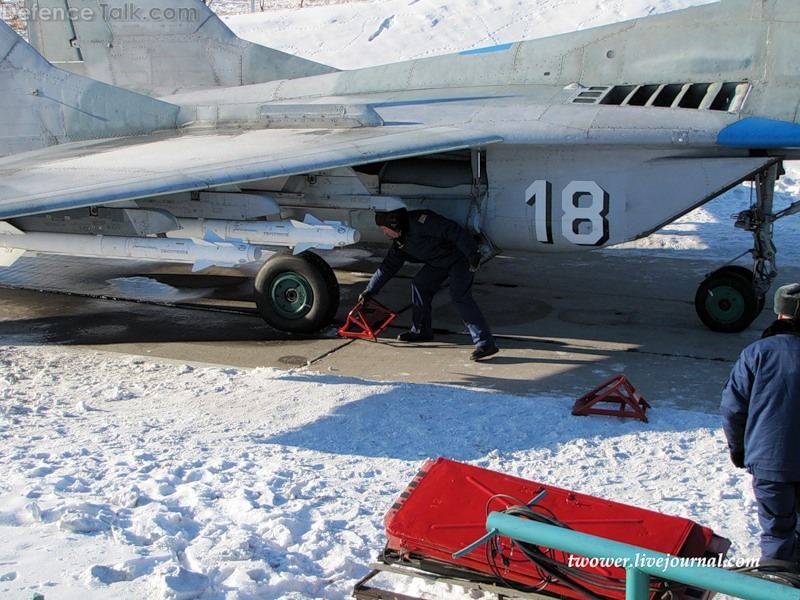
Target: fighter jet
[[134, 130]]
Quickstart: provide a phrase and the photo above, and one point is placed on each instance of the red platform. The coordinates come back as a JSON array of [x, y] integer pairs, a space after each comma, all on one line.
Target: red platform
[[444, 509]]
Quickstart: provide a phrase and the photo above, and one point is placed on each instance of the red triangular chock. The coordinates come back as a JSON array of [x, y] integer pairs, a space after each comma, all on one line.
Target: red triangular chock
[[617, 390], [367, 320]]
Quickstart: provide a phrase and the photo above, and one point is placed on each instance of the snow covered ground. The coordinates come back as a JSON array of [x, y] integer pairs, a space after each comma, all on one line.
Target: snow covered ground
[[350, 35], [127, 478]]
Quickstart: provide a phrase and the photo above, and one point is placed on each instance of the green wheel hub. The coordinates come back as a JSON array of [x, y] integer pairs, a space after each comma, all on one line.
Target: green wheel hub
[[291, 295], [726, 304]]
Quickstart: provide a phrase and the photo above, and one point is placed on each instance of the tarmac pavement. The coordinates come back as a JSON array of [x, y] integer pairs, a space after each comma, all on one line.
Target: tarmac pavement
[[565, 323]]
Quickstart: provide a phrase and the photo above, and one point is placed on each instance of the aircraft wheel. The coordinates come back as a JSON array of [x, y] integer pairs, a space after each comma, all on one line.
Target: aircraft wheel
[[296, 293], [726, 301]]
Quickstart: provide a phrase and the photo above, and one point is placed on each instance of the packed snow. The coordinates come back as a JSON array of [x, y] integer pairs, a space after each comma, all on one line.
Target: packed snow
[[128, 478]]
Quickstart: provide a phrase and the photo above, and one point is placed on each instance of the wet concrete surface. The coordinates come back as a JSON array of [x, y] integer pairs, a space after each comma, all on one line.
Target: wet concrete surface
[[565, 323]]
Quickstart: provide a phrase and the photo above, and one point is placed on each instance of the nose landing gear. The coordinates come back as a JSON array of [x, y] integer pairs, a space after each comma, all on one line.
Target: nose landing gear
[[730, 298]]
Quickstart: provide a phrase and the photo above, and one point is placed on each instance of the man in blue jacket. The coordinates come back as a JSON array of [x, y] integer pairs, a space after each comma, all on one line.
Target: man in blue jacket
[[447, 250], [761, 419]]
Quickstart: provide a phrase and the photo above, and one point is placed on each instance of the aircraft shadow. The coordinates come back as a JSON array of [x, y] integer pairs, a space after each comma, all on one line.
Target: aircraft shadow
[[123, 322], [418, 421]]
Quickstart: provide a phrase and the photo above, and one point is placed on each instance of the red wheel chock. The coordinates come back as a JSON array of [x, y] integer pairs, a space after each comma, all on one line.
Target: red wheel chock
[[617, 390], [366, 320]]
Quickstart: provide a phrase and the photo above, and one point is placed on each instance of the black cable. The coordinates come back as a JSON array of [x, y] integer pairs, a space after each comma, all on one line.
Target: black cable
[[550, 568], [492, 551], [556, 569], [519, 587], [536, 556]]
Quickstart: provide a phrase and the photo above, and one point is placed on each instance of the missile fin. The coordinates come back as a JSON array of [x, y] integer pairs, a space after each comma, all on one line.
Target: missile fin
[[8, 256], [212, 237], [8, 229], [312, 220], [203, 264], [303, 247]]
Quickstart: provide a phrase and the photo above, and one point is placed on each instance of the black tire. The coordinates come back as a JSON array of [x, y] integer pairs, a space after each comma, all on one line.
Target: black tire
[[330, 280], [297, 294], [726, 301]]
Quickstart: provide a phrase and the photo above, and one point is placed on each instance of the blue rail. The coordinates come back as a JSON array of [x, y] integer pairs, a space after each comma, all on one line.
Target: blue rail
[[639, 563]]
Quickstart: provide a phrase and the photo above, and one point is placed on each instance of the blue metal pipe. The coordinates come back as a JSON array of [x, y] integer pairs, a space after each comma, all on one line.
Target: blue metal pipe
[[635, 559], [637, 584]]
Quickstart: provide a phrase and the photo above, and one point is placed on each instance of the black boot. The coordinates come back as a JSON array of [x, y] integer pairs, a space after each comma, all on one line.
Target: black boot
[[483, 352], [415, 336]]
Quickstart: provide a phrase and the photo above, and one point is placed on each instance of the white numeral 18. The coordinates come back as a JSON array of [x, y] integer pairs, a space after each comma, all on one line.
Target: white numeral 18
[[584, 205]]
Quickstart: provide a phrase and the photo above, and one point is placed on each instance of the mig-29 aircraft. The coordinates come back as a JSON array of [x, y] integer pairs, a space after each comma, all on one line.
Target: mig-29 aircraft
[[130, 129]]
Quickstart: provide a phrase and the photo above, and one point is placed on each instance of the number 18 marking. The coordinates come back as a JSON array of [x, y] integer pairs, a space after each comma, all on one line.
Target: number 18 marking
[[584, 205]]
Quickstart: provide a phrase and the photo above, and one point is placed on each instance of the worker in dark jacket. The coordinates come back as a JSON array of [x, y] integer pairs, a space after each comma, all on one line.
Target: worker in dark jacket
[[761, 419], [447, 250]]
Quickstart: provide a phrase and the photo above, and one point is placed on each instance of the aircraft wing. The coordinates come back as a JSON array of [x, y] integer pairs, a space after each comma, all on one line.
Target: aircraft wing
[[96, 172]]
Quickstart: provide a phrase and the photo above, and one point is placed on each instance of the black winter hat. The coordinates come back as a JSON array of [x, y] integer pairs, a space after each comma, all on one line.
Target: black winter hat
[[393, 219], [787, 300]]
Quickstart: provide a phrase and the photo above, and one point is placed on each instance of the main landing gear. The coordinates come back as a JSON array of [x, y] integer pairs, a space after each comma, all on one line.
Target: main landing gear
[[730, 298], [296, 293]]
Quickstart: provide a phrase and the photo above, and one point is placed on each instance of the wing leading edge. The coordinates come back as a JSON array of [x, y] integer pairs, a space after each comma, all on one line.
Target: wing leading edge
[[100, 172]]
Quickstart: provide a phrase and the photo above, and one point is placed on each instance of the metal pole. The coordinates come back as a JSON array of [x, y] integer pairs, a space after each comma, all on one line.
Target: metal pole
[[639, 561], [637, 584]]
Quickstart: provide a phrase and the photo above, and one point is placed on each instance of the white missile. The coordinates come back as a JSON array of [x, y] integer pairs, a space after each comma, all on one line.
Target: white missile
[[311, 233], [200, 253]]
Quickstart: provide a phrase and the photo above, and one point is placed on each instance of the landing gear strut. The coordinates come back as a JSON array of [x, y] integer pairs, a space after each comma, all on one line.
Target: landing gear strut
[[730, 298], [296, 293]]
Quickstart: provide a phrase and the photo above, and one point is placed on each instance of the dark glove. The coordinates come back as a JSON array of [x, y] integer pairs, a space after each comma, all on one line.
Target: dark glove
[[474, 261], [737, 458], [365, 296]]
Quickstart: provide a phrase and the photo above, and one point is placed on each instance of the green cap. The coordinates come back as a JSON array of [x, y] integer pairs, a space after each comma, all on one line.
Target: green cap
[[787, 300]]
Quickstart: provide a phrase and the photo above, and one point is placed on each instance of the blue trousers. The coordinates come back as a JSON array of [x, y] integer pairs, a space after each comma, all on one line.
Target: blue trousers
[[428, 281], [778, 504]]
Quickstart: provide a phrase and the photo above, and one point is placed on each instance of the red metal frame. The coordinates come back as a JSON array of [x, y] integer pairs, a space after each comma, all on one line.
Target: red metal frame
[[617, 390], [368, 318], [444, 509]]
